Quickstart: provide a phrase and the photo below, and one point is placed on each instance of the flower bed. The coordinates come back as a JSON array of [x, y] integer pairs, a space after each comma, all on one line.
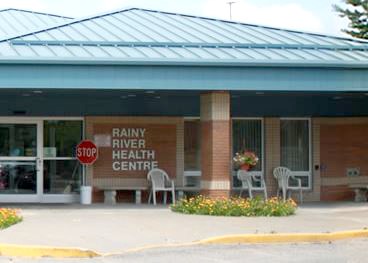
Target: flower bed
[[201, 205], [9, 217]]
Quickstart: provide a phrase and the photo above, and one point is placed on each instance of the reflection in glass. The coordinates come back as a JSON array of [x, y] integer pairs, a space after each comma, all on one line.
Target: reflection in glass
[[18, 177], [295, 144], [247, 135], [304, 179], [61, 176], [192, 153], [192, 146], [19, 140], [61, 138]]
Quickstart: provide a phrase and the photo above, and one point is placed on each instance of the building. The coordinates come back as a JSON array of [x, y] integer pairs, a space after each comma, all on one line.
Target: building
[[180, 92]]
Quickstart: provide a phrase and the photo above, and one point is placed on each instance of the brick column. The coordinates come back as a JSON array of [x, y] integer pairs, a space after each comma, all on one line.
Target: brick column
[[272, 152], [215, 147]]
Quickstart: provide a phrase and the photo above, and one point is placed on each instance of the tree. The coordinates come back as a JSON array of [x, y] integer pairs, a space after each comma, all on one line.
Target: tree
[[357, 13]]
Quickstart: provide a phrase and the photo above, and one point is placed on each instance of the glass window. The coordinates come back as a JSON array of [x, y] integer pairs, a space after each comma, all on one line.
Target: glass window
[[247, 135], [295, 152], [62, 172], [192, 148], [62, 176], [18, 140], [61, 138], [192, 153], [18, 177]]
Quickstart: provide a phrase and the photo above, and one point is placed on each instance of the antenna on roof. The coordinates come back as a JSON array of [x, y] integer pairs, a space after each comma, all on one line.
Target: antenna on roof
[[230, 7]]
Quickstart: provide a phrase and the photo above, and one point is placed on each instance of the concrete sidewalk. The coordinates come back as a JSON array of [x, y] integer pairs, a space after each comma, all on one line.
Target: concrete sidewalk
[[110, 229]]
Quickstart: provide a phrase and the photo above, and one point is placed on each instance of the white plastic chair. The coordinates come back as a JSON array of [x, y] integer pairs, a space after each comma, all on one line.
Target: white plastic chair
[[247, 179], [282, 175], [160, 182]]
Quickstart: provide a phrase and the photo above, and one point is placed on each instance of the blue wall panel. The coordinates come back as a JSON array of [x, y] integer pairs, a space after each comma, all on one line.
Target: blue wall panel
[[182, 78]]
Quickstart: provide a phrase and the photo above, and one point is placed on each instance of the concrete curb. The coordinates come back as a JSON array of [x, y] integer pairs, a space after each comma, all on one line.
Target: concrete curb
[[286, 237], [38, 251], [54, 252], [261, 239]]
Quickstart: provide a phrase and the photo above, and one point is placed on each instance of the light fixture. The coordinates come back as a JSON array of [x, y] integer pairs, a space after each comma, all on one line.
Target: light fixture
[[150, 92], [132, 95], [260, 93], [26, 95], [157, 97], [337, 98], [37, 91]]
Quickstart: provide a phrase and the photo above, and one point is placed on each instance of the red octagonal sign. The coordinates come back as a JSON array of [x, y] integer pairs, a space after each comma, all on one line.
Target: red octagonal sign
[[87, 152]]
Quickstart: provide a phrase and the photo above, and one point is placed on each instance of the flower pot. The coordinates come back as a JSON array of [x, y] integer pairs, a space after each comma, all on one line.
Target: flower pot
[[86, 195], [245, 167]]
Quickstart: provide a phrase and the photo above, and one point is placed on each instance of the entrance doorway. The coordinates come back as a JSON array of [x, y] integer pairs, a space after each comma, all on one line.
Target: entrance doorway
[[37, 160]]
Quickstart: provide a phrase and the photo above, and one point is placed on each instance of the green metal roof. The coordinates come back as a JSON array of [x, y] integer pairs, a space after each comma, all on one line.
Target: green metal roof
[[15, 22], [140, 36]]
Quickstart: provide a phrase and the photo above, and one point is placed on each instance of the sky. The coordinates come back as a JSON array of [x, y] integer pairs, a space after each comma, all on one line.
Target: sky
[[305, 15]]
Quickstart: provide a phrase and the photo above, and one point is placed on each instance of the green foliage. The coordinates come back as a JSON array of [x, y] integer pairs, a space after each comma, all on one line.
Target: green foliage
[[201, 205], [357, 13], [9, 217]]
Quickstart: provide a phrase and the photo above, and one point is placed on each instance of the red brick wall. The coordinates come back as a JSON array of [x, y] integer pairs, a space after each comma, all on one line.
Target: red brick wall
[[342, 146], [161, 136], [206, 150], [158, 137], [215, 150], [336, 193], [215, 153]]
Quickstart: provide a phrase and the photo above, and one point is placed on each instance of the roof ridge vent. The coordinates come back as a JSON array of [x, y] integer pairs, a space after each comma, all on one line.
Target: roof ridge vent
[[191, 45]]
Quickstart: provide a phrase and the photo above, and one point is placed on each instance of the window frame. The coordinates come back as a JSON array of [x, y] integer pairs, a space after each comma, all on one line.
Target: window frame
[[309, 173], [257, 173]]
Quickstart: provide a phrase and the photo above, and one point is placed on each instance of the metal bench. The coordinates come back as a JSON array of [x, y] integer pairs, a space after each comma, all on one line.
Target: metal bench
[[360, 191], [110, 193]]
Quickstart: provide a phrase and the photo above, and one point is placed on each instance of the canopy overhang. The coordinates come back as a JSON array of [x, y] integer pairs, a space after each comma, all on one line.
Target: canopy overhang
[[175, 77], [182, 103]]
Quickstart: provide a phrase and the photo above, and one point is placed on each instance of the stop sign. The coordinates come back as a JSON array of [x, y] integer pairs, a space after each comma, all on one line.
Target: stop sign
[[87, 152]]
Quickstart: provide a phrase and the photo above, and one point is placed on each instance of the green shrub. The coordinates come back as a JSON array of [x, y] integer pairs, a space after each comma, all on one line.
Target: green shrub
[[201, 205], [9, 217]]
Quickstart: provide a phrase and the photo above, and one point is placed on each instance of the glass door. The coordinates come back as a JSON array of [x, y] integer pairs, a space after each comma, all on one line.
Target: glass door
[[20, 161], [61, 170]]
